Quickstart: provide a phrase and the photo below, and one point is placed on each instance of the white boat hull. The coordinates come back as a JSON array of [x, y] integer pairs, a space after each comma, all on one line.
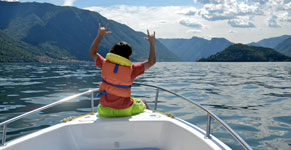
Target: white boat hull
[[145, 131]]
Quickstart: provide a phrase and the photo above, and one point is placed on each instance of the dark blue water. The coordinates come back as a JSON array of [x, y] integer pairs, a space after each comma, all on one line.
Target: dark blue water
[[253, 98]]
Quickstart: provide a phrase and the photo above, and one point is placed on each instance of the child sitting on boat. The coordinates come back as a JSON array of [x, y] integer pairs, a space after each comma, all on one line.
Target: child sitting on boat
[[118, 73]]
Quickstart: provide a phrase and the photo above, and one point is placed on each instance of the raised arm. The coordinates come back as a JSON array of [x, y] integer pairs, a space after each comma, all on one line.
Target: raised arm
[[152, 55], [94, 47]]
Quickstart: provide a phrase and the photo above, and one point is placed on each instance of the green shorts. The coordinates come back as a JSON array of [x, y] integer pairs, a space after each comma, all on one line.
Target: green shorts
[[137, 107]]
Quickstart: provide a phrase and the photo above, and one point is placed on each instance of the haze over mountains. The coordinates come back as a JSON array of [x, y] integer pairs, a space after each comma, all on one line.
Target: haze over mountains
[[285, 47], [42, 31], [270, 42], [195, 48]]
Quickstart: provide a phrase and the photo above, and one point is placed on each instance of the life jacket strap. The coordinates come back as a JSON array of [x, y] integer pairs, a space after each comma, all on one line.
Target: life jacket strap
[[101, 93], [116, 68], [116, 85]]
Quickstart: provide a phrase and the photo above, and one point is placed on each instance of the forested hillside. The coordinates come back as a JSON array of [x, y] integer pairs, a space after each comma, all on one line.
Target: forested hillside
[[245, 53]]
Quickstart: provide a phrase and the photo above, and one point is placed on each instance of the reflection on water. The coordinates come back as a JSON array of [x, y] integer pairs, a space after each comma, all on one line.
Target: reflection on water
[[253, 98]]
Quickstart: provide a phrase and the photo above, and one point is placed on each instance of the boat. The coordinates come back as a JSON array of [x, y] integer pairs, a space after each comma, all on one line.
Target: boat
[[150, 130]]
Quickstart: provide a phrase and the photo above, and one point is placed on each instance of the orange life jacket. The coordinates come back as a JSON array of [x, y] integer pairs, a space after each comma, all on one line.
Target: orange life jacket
[[116, 75]]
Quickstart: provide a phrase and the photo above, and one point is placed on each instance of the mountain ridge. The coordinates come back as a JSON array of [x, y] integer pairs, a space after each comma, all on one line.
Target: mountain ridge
[[196, 47], [270, 42]]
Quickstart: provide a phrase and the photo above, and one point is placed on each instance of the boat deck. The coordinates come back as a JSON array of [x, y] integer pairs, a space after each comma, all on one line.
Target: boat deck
[[146, 131]]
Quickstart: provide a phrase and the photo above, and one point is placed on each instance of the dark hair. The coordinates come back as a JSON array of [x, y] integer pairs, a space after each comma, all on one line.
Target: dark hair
[[122, 49]]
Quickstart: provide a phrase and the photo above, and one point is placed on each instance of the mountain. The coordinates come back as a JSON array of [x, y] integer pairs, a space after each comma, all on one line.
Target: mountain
[[14, 50], [195, 48], [245, 53], [71, 30], [285, 47], [270, 42]]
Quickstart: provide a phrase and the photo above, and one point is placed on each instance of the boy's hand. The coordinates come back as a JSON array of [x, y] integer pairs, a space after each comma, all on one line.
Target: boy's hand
[[151, 37], [102, 31], [152, 55], [94, 47]]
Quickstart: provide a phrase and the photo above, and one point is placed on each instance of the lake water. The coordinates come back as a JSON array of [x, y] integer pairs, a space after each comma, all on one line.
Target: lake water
[[252, 98]]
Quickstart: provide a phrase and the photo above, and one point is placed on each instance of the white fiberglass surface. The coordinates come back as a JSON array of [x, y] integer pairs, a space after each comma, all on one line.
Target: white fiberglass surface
[[115, 134]]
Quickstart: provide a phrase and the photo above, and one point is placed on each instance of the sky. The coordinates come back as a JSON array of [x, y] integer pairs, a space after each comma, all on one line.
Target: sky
[[239, 21]]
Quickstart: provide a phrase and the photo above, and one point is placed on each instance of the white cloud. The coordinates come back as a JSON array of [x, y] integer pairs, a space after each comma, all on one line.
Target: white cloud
[[284, 17], [69, 2], [261, 2], [163, 21], [166, 19], [228, 9], [208, 1], [273, 23], [190, 22], [234, 10], [190, 11], [231, 31], [194, 31], [227, 18], [241, 22]]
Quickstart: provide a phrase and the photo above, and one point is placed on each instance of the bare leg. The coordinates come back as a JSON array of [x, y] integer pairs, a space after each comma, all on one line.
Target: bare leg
[[146, 104]]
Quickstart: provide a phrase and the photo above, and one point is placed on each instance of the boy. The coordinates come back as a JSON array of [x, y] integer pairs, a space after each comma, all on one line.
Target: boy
[[117, 76]]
